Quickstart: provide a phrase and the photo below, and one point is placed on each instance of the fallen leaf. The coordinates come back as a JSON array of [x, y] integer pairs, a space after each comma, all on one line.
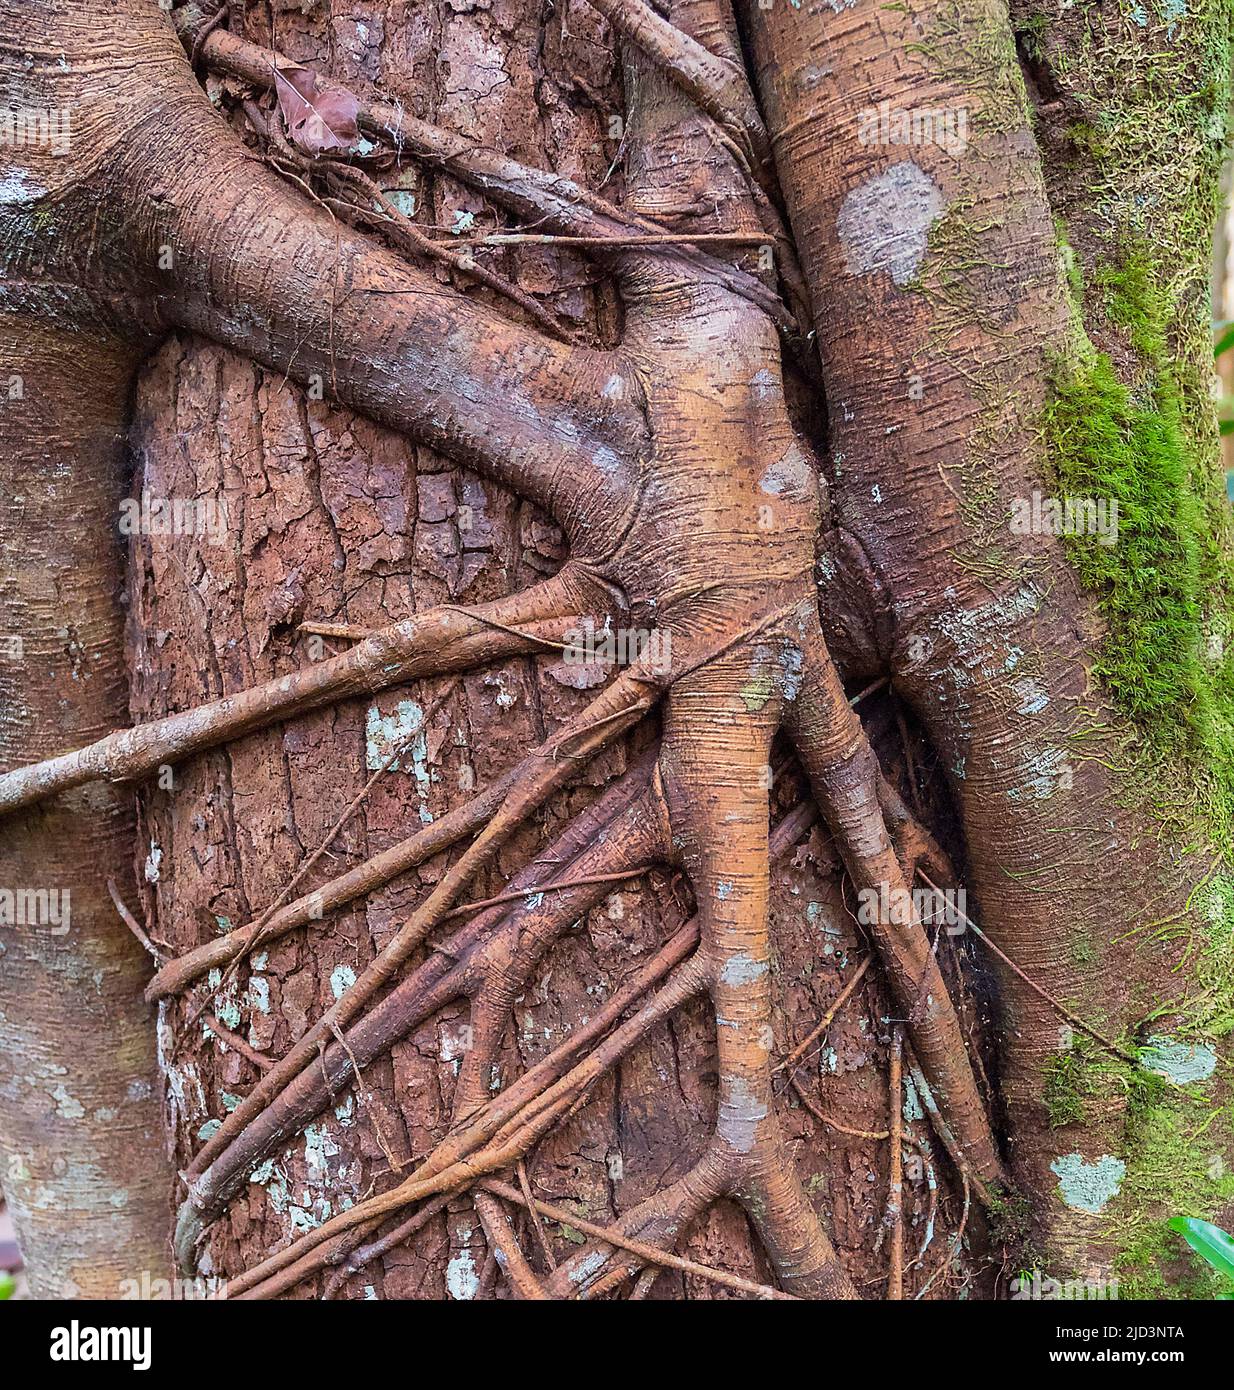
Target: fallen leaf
[[318, 116]]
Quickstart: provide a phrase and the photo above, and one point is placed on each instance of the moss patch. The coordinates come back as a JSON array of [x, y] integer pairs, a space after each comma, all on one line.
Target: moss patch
[[1068, 1084], [1176, 1166], [1166, 585]]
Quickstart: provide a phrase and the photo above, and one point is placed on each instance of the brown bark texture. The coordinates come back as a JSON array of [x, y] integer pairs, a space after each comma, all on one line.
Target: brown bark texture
[[473, 969]]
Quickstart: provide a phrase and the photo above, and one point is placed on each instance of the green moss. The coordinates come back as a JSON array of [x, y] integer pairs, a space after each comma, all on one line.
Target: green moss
[[1102, 445], [1087, 139], [1165, 587], [1136, 300], [1032, 33], [1011, 1229], [1083, 949], [1147, 91], [1068, 1084], [1175, 1167], [1072, 269]]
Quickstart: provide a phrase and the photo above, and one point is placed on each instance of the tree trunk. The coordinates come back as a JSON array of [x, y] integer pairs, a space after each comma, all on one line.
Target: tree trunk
[[354, 442]]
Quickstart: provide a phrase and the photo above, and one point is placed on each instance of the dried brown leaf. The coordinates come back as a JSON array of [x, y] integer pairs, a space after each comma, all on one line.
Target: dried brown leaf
[[318, 116]]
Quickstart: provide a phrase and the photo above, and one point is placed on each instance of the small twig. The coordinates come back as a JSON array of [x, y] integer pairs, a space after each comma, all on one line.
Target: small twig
[[219, 17], [503, 627], [868, 690], [415, 237], [346, 632], [1034, 986], [895, 1192], [236, 1043], [817, 1032], [534, 890], [537, 1225], [133, 924], [358, 1087], [650, 1254], [357, 801]]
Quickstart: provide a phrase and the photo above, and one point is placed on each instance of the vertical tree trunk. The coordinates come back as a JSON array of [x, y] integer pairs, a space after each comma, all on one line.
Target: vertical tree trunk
[[82, 1154], [961, 381]]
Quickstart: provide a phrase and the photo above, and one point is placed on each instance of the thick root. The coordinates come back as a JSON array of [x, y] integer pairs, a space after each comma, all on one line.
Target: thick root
[[436, 642], [851, 791]]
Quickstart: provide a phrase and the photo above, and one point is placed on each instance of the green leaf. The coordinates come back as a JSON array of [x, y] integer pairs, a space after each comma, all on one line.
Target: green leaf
[[8, 1286], [1227, 426], [1208, 1240], [1225, 342]]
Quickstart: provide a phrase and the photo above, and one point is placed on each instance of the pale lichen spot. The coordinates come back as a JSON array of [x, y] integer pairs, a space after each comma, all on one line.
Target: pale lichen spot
[[385, 735], [153, 862], [741, 1113], [884, 223], [741, 969], [1182, 1063], [462, 1279], [1088, 1187], [342, 977], [591, 1264], [67, 1105], [1031, 694]]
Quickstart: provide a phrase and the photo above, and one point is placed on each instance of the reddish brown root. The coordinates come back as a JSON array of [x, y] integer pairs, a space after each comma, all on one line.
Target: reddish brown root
[[440, 640], [358, 882], [851, 791], [617, 709], [717, 736], [510, 1123], [496, 950]]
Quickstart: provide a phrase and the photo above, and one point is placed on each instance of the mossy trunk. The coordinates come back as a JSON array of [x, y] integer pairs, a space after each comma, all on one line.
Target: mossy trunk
[[1013, 312]]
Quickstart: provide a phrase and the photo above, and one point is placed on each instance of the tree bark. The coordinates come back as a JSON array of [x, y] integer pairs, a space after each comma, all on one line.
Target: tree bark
[[482, 469]]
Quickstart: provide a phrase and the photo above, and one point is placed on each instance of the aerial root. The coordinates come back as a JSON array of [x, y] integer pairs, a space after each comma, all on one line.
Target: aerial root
[[915, 847], [473, 1079], [714, 84], [498, 947], [852, 794], [511, 1122], [613, 1255], [643, 1252], [439, 641], [504, 1244], [503, 968], [617, 709], [357, 882], [548, 201]]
